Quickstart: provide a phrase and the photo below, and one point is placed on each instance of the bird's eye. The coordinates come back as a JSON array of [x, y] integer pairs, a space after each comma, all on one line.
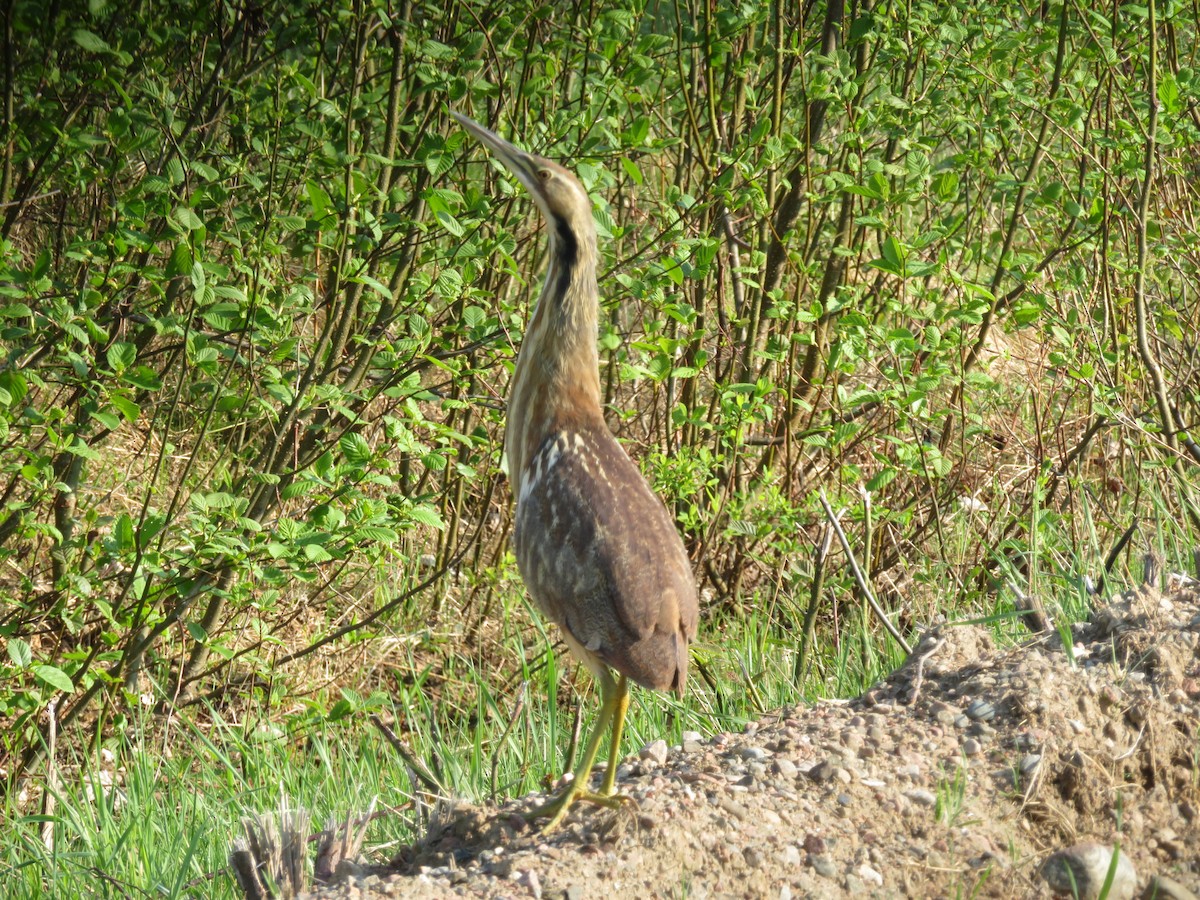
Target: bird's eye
[[544, 174]]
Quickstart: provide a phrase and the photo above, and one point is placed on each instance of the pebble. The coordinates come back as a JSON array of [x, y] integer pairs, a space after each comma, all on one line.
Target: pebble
[[754, 753], [822, 771], [733, 808], [790, 855], [981, 710], [815, 844], [691, 736], [784, 766], [1030, 763], [656, 751], [972, 747], [921, 797], [870, 876], [530, 879], [823, 865], [1082, 869]]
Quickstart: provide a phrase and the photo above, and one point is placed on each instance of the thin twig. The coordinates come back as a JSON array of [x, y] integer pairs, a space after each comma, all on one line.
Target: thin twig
[[860, 578], [424, 776]]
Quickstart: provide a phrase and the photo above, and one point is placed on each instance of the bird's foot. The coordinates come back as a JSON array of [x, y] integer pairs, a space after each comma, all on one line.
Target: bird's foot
[[556, 810]]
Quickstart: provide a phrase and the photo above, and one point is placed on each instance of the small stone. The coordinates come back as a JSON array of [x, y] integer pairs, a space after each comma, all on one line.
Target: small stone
[[753, 858], [972, 747], [530, 879], [754, 753], [785, 893], [824, 866], [921, 797], [574, 892], [961, 722], [1077, 726], [1081, 870], [691, 736], [502, 868], [784, 766], [655, 751], [1030, 763], [822, 771], [844, 799], [815, 844], [733, 808], [870, 876], [790, 856], [693, 747], [981, 711], [1160, 887]]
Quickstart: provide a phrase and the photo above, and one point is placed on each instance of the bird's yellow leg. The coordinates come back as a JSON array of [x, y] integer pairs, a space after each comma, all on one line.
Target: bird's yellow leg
[[614, 700], [618, 729]]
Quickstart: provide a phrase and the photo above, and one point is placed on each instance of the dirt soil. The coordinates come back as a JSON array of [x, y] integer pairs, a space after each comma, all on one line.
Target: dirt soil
[[957, 776]]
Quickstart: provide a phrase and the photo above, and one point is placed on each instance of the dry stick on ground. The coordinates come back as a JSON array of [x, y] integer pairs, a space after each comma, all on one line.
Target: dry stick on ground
[[800, 672], [424, 776], [860, 578]]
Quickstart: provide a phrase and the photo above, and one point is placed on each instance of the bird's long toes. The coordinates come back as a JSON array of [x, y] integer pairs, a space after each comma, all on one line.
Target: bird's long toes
[[557, 808]]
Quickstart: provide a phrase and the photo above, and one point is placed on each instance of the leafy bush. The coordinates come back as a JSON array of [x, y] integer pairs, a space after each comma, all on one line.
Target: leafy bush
[[260, 301]]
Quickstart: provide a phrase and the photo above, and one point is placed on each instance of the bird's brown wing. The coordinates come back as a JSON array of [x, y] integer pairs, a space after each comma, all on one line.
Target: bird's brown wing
[[602, 559]]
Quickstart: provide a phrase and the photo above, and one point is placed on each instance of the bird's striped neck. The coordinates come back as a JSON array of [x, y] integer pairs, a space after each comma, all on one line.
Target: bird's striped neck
[[557, 380]]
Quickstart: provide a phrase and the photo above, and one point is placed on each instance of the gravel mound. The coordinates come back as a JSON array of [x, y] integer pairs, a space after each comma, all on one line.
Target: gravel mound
[[971, 771]]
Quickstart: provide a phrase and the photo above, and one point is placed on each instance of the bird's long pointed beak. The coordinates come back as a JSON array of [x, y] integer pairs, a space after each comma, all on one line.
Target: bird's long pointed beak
[[523, 165]]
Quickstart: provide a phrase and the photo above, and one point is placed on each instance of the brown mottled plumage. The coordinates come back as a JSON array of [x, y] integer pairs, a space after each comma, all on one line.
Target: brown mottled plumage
[[597, 549]]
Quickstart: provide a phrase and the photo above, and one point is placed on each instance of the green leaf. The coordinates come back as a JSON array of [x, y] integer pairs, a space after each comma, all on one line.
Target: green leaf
[[121, 355], [54, 677], [188, 218], [19, 652], [450, 224], [122, 533], [893, 252], [90, 41], [426, 515], [126, 407], [14, 383], [378, 533], [180, 262], [143, 377], [355, 449]]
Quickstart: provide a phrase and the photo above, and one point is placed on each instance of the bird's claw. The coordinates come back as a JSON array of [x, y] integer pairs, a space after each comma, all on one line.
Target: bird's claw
[[557, 808]]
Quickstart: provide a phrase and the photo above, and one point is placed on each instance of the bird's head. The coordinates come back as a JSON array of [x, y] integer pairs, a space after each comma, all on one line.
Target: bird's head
[[557, 192]]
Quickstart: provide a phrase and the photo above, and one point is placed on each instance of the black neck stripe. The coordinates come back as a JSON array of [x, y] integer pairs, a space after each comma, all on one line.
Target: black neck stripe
[[566, 253]]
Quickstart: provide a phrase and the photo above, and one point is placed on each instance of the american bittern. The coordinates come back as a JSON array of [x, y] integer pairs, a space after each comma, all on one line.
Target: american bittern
[[596, 548]]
